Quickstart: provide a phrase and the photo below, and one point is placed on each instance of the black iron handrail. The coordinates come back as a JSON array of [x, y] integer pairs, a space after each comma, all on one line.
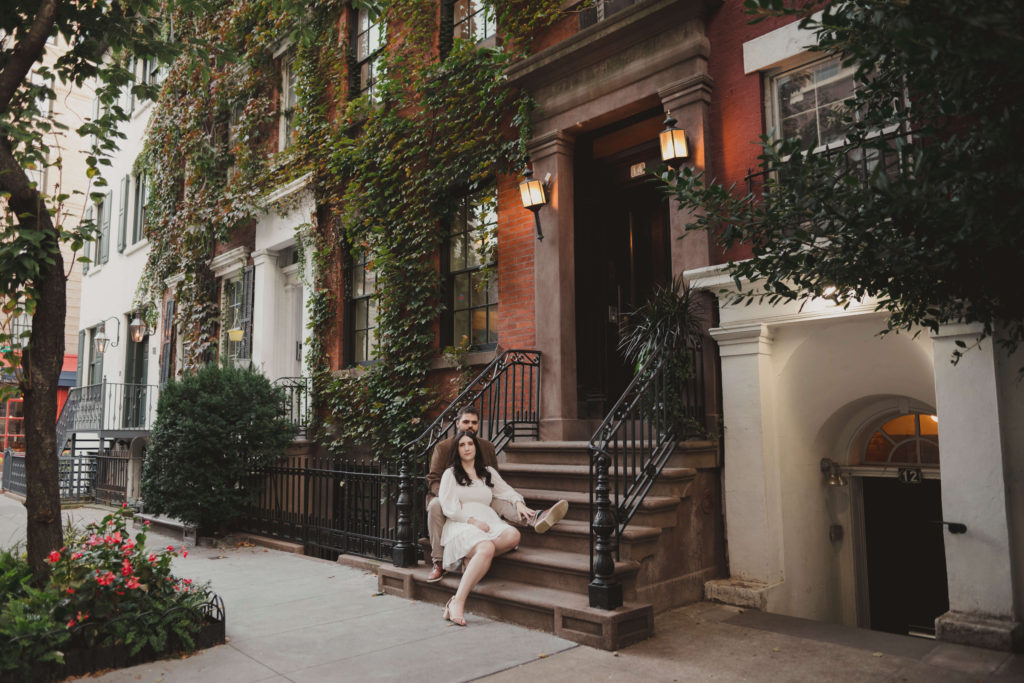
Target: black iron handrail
[[507, 394], [297, 402], [662, 405], [514, 374]]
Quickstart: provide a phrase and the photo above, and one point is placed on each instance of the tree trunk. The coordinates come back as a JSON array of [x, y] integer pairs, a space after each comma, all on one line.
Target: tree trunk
[[41, 370]]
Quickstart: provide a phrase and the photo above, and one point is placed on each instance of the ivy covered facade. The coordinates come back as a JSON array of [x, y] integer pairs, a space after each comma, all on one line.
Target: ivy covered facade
[[340, 201]]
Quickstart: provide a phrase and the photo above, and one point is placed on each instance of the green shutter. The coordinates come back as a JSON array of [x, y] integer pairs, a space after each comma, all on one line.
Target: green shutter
[[122, 215], [104, 246]]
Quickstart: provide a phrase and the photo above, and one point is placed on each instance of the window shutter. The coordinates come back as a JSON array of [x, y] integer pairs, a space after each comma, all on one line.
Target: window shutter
[[122, 215], [248, 291], [104, 255], [81, 358], [167, 344], [86, 249]]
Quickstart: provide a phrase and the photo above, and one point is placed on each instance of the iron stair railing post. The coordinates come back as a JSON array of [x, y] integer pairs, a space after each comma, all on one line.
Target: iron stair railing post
[[404, 552], [604, 590]]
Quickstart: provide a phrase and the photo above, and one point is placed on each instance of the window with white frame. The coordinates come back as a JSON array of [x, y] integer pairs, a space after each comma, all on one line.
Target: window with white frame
[[808, 102], [369, 46], [474, 21], [363, 310], [236, 317], [472, 278], [289, 98]]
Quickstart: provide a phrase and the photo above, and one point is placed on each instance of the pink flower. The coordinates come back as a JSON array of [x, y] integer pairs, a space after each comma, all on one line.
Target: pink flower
[[124, 505], [117, 537], [126, 568], [133, 582], [145, 523], [170, 548], [152, 558], [104, 578], [71, 591], [184, 553], [82, 617], [54, 557], [75, 556], [71, 623], [128, 545]]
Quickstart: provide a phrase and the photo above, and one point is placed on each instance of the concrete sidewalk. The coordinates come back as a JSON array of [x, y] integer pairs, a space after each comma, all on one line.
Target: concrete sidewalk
[[293, 618]]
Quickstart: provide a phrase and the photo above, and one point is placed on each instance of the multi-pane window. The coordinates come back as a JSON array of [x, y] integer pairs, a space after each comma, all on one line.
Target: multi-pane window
[[12, 422], [369, 46], [289, 98], [236, 316], [906, 440], [808, 102], [139, 218], [474, 21], [364, 309], [95, 375], [472, 279]]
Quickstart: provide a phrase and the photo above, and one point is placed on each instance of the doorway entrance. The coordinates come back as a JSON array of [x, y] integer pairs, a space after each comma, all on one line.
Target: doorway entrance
[[136, 373], [622, 251], [904, 559]]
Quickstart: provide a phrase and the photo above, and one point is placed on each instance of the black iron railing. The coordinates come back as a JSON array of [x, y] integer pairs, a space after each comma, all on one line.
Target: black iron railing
[[107, 407], [662, 405], [76, 476], [375, 507], [297, 402], [111, 480]]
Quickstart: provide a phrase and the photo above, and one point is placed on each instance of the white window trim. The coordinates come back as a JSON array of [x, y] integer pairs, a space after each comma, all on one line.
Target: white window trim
[[774, 49], [287, 64], [230, 262]]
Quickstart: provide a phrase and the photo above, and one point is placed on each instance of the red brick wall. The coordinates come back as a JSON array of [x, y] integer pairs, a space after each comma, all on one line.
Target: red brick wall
[[516, 238], [737, 101]]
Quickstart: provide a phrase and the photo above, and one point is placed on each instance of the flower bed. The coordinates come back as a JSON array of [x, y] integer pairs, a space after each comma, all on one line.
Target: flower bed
[[108, 603]]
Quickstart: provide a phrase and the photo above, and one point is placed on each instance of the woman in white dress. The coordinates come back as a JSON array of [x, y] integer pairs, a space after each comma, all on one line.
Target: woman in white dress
[[473, 533]]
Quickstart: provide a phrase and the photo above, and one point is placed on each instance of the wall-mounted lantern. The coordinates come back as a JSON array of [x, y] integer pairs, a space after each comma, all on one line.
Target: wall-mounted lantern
[[137, 329], [101, 339], [534, 193], [673, 142]]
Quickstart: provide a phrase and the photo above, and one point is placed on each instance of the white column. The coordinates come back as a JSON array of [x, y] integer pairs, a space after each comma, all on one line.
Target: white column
[[980, 409], [266, 286], [752, 496]]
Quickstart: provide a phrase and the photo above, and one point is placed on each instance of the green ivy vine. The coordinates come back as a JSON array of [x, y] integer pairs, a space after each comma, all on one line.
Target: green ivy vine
[[385, 174]]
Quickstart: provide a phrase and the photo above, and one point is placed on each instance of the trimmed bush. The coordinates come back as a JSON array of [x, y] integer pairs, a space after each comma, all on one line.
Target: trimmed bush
[[213, 429]]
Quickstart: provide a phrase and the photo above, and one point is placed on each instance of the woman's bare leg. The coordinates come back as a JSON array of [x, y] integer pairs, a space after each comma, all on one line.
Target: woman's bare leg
[[478, 562], [508, 540]]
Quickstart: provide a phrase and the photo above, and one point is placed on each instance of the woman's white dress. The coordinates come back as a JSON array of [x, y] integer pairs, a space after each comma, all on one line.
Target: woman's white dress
[[462, 502]]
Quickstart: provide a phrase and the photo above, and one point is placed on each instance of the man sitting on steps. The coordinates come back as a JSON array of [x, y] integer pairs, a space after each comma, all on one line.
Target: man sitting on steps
[[469, 421]]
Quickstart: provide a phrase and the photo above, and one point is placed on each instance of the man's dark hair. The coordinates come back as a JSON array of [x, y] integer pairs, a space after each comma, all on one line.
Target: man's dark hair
[[467, 409]]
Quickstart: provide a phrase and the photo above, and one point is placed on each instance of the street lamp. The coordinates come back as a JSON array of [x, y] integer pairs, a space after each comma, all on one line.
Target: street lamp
[[101, 339], [673, 142], [534, 194]]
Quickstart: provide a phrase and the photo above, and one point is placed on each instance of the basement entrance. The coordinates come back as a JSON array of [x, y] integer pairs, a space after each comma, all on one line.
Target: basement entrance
[[622, 250], [905, 563]]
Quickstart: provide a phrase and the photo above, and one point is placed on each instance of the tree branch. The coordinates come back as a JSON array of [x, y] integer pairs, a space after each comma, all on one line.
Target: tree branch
[[27, 52]]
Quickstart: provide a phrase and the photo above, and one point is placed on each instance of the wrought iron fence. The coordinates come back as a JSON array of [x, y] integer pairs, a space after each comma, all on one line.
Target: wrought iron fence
[[75, 476], [662, 405], [298, 401], [111, 476], [375, 507]]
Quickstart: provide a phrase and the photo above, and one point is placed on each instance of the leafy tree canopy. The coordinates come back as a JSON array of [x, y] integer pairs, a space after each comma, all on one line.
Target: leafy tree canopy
[[922, 209]]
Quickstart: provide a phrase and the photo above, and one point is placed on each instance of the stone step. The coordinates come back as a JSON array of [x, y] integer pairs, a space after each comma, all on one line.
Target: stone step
[[686, 454], [563, 613], [673, 481], [558, 569], [637, 543], [655, 511]]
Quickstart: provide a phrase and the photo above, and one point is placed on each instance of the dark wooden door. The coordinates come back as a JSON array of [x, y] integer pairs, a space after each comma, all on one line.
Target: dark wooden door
[[622, 254]]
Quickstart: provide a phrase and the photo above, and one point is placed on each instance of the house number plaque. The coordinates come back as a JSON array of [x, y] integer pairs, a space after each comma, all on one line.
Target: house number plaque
[[909, 475], [637, 170]]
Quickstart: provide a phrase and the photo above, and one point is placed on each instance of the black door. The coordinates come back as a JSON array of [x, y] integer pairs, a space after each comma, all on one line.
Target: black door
[[135, 372], [906, 559], [622, 254]]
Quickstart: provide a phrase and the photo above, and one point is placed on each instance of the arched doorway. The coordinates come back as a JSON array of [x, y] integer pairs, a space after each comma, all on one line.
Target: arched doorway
[[902, 564]]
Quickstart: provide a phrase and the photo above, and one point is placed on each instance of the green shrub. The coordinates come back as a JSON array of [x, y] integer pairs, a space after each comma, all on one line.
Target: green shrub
[[212, 430], [105, 588]]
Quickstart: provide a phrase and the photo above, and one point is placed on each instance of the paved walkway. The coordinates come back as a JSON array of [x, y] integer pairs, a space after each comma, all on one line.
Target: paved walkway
[[293, 618]]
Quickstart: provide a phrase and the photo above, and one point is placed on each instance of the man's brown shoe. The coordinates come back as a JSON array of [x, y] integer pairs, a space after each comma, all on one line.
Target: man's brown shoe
[[436, 572], [545, 519]]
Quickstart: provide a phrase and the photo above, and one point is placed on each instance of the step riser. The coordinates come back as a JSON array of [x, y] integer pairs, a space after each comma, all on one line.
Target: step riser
[[546, 457], [581, 513], [562, 482], [697, 455], [629, 550], [559, 579], [487, 606]]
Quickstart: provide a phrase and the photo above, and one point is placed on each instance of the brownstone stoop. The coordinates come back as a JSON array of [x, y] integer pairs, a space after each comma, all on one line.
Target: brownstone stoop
[[671, 547]]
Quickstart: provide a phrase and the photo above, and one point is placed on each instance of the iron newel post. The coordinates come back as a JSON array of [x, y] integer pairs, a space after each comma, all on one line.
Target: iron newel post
[[404, 552], [605, 592]]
